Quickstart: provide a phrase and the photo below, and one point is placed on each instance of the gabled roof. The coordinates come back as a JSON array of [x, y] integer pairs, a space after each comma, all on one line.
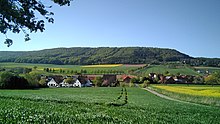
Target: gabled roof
[[127, 76], [52, 81]]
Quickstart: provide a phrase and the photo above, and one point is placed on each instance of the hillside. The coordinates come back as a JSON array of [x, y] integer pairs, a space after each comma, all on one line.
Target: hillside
[[77, 55]]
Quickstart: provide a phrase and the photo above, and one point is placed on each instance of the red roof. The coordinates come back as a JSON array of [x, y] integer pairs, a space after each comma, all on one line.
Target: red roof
[[127, 76]]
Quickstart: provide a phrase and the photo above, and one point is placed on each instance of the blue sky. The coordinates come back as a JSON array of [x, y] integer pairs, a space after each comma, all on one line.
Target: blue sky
[[189, 26]]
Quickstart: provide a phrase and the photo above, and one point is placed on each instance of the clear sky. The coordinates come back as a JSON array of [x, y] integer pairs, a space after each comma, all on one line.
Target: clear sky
[[189, 26]]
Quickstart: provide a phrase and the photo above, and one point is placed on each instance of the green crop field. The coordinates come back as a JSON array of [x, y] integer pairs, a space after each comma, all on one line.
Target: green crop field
[[114, 68], [91, 105], [203, 94], [161, 69]]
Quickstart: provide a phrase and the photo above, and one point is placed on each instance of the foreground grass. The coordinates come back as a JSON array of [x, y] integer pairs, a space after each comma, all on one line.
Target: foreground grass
[[90, 105], [193, 93]]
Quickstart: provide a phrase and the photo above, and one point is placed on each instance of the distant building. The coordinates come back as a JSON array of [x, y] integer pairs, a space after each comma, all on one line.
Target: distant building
[[85, 81], [52, 83]]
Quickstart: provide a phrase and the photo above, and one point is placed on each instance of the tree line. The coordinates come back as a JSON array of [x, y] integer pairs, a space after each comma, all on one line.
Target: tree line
[[83, 71]]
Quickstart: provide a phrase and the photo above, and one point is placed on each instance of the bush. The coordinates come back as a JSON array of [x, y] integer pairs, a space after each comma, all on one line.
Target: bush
[[213, 79], [98, 81], [145, 84], [131, 84], [33, 79], [42, 83]]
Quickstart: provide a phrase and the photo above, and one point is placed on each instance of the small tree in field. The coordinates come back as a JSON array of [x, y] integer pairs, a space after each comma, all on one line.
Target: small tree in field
[[134, 80], [33, 79], [98, 81], [35, 67], [145, 84], [213, 78], [42, 82], [210, 80], [131, 84], [4, 77]]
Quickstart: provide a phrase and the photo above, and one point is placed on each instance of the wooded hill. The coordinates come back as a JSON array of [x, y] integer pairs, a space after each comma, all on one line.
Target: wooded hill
[[101, 55]]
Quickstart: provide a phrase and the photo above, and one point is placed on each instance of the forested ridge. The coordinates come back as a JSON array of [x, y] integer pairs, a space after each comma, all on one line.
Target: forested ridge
[[101, 55]]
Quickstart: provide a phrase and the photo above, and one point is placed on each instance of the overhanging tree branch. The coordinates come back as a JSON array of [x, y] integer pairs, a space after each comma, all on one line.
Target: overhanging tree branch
[[20, 15]]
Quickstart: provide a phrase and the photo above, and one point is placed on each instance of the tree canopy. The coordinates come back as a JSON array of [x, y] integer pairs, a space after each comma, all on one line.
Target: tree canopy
[[20, 15], [214, 78], [101, 55]]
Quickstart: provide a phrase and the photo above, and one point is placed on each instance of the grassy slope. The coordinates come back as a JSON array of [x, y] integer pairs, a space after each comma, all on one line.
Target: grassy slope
[[210, 69], [202, 94], [161, 69], [89, 105]]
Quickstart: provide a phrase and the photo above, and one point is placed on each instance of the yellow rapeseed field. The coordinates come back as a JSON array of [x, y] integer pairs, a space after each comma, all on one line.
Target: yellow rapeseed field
[[193, 90], [102, 66]]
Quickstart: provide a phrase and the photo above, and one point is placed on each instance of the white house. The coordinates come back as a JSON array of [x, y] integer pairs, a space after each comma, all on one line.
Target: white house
[[64, 84], [77, 84], [52, 83]]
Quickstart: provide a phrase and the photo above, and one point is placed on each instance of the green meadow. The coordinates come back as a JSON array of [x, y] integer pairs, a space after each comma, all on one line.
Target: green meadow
[[209, 69], [122, 69], [104, 69], [162, 69]]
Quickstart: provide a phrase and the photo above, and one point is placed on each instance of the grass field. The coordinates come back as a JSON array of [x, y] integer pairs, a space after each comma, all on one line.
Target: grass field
[[120, 68], [209, 69], [161, 69], [194, 93], [102, 66], [110, 68], [90, 105]]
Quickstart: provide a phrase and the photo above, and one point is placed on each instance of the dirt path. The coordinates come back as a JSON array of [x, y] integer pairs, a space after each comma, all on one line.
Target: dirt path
[[167, 97]]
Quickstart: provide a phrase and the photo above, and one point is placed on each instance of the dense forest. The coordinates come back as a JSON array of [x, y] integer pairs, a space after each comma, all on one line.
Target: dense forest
[[103, 55]]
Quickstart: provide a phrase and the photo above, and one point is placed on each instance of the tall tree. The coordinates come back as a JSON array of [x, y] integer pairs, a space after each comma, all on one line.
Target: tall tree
[[20, 15]]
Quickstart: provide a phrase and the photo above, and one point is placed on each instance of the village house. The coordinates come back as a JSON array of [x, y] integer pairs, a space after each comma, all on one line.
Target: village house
[[169, 80], [166, 79], [85, 81], [109, 80], [152, 76], [70, 81], [61, 82], [125, 78], [77, 83], [52, 83]]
